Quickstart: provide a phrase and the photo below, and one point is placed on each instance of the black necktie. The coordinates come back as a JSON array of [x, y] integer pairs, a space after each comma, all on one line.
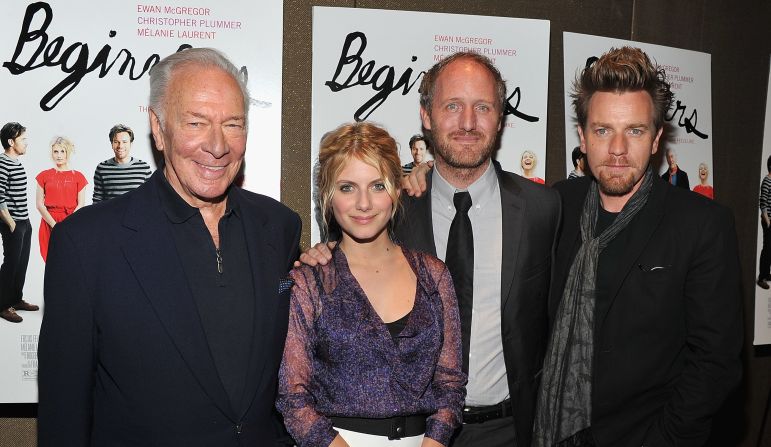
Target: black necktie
[[460, 261]]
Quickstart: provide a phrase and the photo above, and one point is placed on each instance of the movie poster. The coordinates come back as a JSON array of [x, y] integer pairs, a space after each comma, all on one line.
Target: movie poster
[[368, 64], [763, 295], [688, 145], [75, 68]]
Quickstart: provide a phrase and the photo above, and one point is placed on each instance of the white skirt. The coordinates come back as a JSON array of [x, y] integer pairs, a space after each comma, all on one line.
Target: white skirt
[[356, 439]]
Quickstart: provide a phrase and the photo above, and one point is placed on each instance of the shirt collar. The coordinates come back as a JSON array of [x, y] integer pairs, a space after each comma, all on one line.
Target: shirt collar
[[179, 211], [481, 190]]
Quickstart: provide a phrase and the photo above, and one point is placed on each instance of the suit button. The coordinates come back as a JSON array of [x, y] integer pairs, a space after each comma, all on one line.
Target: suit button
[[399, 430]]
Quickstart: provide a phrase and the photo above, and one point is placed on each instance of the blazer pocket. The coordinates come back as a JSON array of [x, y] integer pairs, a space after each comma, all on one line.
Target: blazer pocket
[[656, 272]]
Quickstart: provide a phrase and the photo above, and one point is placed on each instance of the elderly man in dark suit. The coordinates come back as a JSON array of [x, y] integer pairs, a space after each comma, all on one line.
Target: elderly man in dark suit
[[165, 309], [495, 230], [647, 327], [674, 175]]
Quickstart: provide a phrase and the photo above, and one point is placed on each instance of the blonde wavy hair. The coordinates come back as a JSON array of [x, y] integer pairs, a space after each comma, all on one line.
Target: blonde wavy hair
[[367, 142]]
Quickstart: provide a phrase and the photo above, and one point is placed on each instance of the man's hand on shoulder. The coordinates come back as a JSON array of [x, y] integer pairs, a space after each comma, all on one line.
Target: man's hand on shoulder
[[320, 253], [414, 183]]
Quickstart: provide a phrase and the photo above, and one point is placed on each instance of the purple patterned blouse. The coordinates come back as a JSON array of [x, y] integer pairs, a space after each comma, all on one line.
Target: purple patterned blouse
[[340, 359]]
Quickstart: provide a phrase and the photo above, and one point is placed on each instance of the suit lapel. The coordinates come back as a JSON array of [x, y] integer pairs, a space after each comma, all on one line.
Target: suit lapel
[[645, 224], [152, 257], [512, 214], [265, 280]]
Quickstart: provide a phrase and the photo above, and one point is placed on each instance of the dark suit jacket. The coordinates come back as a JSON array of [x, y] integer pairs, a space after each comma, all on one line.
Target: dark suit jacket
[[668, 336], [682, 178], [530, 214], [123, 356]]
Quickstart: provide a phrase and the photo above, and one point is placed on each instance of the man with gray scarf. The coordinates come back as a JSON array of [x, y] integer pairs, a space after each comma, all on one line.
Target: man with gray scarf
[[645, 304]]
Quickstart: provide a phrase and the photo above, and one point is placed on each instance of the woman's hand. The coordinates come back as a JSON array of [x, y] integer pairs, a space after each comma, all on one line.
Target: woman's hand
[[428, 442], [339, 442]]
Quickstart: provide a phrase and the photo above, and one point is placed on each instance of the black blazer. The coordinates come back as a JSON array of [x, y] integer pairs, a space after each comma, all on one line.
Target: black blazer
[[530, 214], [123, 356], [669, 335]]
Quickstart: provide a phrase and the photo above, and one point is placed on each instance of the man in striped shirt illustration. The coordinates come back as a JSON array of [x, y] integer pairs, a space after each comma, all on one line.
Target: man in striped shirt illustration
[[14, 223], [764, 264], [122, 173]]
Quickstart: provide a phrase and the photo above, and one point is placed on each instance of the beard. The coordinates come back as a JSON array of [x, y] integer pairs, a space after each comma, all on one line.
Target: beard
[[620, 184], [616, 185], [464, 156]]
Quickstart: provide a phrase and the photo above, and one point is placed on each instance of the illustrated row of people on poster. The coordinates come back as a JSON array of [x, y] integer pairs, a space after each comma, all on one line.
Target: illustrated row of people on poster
[[60, 191]]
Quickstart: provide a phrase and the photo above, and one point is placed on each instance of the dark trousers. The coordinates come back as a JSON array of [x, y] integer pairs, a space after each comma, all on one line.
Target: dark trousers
[[494, 433], [764, 265], [13, 272]]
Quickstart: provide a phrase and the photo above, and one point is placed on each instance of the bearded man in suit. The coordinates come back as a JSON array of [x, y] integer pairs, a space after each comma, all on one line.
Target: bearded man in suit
[[645, 302]]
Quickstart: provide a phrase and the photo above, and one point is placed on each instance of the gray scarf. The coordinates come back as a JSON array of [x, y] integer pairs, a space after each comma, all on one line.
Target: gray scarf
[[565, 396]]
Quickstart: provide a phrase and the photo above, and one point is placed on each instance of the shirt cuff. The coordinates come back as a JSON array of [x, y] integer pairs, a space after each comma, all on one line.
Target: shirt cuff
[[439, 431], [321, 434]]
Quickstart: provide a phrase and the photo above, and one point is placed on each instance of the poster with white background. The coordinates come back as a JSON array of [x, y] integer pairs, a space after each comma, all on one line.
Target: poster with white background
[[368, 65], [75, 68], [762, 296], [690, 119]]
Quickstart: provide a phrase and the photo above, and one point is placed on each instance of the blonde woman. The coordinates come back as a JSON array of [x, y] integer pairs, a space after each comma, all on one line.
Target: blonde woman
[[60, 191], [528, 163], [704, 188], [373, 352]]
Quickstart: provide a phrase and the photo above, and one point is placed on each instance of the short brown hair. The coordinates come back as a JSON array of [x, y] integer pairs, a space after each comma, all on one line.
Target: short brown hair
[[419, 137], [428, 84], [11, 131], [619, 70], [367, 142], [119, 128]]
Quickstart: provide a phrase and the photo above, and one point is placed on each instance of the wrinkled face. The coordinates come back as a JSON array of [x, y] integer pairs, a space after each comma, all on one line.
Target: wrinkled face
[[671, 159], [465, 117], [703, 172], [19, 145], [418, 150], [203, 138], [121, 145], [59, 155], [619, 140], [361, 204], [528, 161]]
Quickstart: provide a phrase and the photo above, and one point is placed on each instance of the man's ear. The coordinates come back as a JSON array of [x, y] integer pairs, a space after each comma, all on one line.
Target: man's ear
[[157, 130], [581, 139], [425, 118], [655, 145]]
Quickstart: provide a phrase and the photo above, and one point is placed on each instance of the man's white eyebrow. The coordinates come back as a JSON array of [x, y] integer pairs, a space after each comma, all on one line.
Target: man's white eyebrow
[[202, 116]]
